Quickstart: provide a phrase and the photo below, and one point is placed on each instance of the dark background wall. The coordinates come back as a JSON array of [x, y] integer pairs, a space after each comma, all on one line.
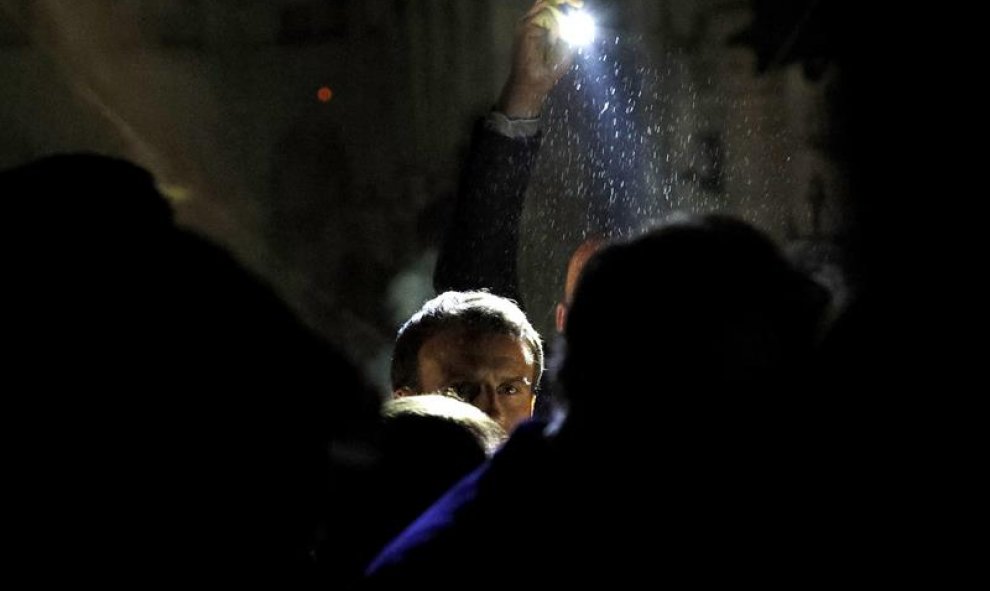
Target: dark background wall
[[340, 204]]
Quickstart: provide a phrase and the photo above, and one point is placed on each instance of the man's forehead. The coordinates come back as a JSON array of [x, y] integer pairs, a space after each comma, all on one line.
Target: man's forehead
[[473, 337], [455, 347]]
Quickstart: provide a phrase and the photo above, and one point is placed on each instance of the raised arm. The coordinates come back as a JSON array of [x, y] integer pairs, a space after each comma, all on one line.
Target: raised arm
[[481, 246]]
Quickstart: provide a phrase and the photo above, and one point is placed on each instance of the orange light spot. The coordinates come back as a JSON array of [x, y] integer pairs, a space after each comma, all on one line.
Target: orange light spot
[[324, 94]]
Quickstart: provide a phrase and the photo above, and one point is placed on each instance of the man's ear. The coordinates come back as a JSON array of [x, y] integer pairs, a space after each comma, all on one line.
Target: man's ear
[[403, 392], [561, 316]]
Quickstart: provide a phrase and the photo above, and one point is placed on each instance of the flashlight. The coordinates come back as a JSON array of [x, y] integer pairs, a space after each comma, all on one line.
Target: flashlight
[[577, 28]]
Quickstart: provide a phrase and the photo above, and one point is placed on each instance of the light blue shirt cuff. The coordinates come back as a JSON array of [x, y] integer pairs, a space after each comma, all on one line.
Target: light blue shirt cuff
[[512, 128]]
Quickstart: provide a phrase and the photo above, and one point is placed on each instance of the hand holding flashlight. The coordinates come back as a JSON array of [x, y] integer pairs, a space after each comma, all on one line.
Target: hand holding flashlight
[[540, 58], [548, 15], [573, 25]]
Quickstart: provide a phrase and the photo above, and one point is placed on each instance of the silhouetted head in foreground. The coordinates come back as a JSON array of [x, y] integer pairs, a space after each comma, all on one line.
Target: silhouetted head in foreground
[[177, 416], [429, 442], [699, 306]]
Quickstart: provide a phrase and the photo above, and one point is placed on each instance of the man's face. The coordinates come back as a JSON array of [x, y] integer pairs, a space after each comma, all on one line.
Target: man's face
[[494, 372]]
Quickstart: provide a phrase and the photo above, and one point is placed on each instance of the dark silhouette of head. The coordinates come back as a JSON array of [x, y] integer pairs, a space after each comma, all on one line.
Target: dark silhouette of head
[[701, 304], [179, 416], [429, 442]]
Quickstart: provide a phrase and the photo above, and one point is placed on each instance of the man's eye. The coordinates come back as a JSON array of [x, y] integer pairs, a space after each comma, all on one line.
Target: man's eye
[[509, 389], [466, 390]]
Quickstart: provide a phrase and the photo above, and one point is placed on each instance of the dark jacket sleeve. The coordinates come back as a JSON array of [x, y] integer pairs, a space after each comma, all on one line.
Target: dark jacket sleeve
[[482, 243]]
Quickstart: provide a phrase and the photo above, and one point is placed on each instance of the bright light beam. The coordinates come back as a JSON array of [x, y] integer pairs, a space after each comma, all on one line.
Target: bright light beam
[[577, 28]]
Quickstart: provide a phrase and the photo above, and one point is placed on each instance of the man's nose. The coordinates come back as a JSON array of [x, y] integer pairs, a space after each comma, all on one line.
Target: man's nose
[[489, 402]]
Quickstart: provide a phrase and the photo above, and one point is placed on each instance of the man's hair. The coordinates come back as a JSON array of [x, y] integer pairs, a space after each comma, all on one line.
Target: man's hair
[[474, 311], [443, 419]]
